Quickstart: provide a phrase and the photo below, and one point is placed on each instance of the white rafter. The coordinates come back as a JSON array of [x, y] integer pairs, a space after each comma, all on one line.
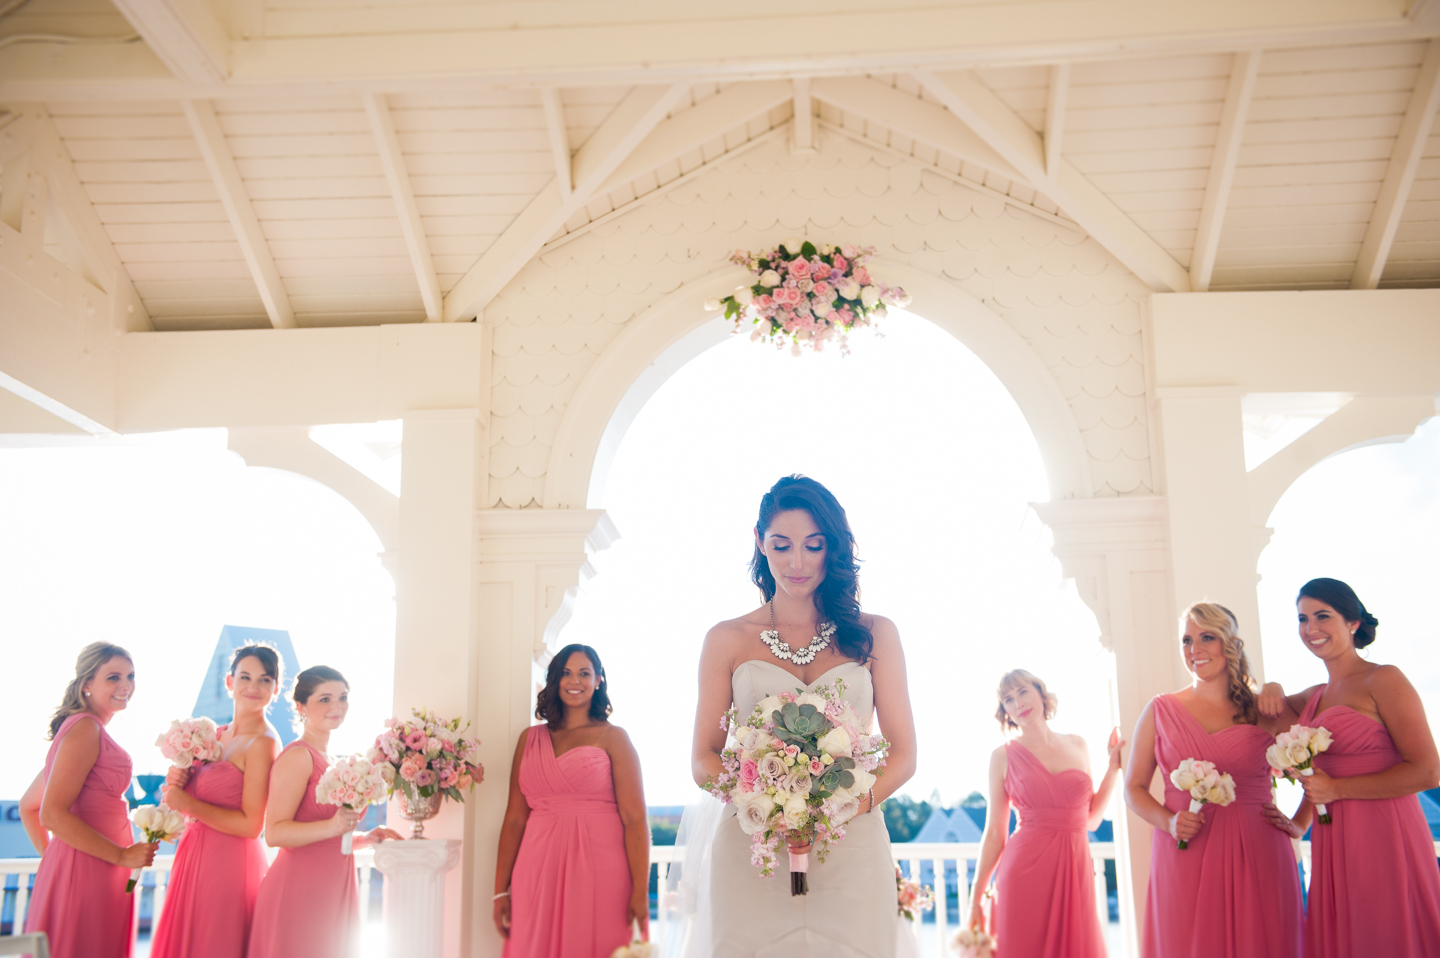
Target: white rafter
[[185, 35], [629, 123], [223, 171], [559, 136], [803, 121], [1055, 116], [1003, 129], [1400, 175], [1222, 167], [393, 161]]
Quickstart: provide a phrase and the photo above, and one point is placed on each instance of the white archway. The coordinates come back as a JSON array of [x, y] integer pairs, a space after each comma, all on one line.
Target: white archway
[[675, 330]]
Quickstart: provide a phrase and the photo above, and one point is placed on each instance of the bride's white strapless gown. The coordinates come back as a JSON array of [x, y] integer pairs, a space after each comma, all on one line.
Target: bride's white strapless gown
[[851, 909]]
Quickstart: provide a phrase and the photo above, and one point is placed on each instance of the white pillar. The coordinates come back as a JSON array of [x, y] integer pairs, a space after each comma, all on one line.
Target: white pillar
[[1115, 550], [415, 895]]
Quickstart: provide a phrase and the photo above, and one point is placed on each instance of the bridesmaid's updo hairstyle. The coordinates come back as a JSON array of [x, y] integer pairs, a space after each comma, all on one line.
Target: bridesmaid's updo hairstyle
[[1016, 679], [838, 598], [1340, 597], [310, 679], [91, 660], [269, 660], [548, 707], [1221, 622]]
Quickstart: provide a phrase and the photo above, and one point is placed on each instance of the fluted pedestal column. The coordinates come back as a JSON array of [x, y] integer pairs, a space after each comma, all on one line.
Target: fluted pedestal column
[[415, 894]]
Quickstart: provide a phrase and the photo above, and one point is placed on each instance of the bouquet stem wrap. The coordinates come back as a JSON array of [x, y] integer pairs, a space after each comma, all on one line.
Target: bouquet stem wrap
[[1195, 806], [347, 843], [799, 873], [1325, 818]]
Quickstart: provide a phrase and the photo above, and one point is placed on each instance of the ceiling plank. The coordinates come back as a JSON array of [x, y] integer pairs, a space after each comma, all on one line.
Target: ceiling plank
[[1055, 116], [911, 116], [623, 130], [185, 35], [1238, 95], [1004, 130], [238, 209], [382, 124], [559, 136], [1400, 174]]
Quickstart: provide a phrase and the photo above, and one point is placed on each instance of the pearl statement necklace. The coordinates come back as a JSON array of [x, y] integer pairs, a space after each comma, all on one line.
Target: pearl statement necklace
[[782, 650]]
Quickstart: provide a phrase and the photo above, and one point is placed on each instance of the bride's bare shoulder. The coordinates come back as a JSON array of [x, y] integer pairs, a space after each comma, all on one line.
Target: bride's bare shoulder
[[733, 631]]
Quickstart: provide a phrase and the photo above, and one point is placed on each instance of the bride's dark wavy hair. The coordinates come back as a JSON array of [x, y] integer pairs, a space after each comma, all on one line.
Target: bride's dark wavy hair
[[838, 598]]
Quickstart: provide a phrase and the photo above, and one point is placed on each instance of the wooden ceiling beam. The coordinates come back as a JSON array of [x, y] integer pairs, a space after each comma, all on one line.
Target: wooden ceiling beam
[[1400, 174], [623, 130], [990, 117], [802, 139], [238, 209], [1055, 116], [1243, 74], [382, 125], [559, 131], [185, 35]]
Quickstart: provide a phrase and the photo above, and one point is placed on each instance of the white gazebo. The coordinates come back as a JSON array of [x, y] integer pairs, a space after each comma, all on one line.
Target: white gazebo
[[497, 222]]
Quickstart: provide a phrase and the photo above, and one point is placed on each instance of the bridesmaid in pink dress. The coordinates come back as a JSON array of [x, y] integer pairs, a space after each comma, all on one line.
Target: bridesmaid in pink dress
[[79, 900], [1235, 892], [309, 906], [219, 864], [1374, 883], [1045, 885], [573, 871]]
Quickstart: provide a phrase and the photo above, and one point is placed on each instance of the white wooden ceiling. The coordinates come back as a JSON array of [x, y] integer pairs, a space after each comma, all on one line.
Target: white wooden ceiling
[[1293, 154]]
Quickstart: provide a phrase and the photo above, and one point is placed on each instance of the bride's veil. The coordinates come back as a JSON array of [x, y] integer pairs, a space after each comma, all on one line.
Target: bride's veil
[[685, 893]]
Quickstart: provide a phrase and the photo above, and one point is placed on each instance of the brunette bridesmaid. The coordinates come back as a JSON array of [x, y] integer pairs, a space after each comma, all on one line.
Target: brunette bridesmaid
[[218, 866], [573, 871], [1374, 884], [308, 905], [1235, 892], [1045, 885], [79, 898]]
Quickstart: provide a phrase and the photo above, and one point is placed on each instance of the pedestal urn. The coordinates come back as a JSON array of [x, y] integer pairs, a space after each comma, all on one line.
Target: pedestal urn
[[415, 894]]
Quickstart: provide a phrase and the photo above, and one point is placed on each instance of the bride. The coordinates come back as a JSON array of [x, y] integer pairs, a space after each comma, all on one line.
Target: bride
[[809, 631]]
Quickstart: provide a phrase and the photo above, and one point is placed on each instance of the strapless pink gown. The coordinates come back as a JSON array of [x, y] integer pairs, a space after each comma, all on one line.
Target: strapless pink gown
[[1045, 885], [79, 901], [1374, 883], [214, 880], [571, 885], [1235, 892], [309, 905]]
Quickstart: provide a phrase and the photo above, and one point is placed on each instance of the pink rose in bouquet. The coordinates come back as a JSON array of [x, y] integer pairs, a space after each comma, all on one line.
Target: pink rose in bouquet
[[352, 782], [191, 740]]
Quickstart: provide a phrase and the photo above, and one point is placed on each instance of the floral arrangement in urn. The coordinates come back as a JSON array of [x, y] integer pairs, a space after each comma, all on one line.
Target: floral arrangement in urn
[[430, 759], [808, 295]]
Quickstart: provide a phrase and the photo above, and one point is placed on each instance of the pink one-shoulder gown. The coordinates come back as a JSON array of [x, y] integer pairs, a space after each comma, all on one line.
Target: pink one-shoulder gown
[[1374, 883], [214, 880], [570, 889], [79, 901], [1235, 892], [1045, 885], [308, 905]]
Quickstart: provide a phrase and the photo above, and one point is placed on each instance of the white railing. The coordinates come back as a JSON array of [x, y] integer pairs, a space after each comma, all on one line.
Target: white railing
[[152, 887]]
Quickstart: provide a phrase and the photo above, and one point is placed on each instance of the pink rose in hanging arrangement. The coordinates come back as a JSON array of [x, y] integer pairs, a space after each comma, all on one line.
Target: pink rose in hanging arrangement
[[808, 295]]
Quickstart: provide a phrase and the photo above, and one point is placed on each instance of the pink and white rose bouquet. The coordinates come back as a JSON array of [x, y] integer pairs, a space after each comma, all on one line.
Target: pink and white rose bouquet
[[191, 740], [1297, 749], [352, 782], [158, 823], [425, 755], [912, 897], [795, 769], [973, 943], [807, 294], [1206, 785]]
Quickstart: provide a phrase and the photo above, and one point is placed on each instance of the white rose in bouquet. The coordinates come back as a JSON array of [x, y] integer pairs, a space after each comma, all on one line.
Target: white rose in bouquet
[[797, 782], [810, 698], [1320, 740], [869, 296], [846, 806], [1278, 757], [1299, 754], [1184, 777], [797, 812], [772, 768], [770, 278], [851, 290], [1223, 792], [744, 295], [753, 810], [864, 781], [1300, 734], [836, 742], [792, 245], [770, 704]]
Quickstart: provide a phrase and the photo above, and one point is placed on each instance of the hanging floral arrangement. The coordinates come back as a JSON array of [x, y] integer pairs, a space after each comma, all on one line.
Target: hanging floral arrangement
[[808, 295]]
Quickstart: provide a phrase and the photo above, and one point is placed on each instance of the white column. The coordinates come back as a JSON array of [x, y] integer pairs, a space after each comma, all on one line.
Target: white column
[[1115, 550], [415, 895]]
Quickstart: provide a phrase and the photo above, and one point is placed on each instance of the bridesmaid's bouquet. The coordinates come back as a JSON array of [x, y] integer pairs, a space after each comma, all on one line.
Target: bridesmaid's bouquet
[[158, 823], [974, 943], [795, 771], [191, 740], [912, 897], [1206, 785], [426, 755], [352, 782], [1297, 749]]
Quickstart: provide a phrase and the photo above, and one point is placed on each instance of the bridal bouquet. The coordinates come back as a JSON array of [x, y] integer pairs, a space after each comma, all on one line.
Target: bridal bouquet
[[191, 740], [808, 294], [974, 943], [795, 771], [425, 755], [158, 823], [1205, 784], [1297, 749], [912, 897], [352, 782]]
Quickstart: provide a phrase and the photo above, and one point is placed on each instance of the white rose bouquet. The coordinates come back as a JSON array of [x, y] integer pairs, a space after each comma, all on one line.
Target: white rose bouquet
[[795, 770], [1297, 749], [974, 943], [1206, 785], [191, 740], [158, 823], [351, 782]]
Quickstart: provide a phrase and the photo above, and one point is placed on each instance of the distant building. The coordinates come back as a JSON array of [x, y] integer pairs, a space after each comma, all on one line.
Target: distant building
[[948, 825], [214, 701]]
